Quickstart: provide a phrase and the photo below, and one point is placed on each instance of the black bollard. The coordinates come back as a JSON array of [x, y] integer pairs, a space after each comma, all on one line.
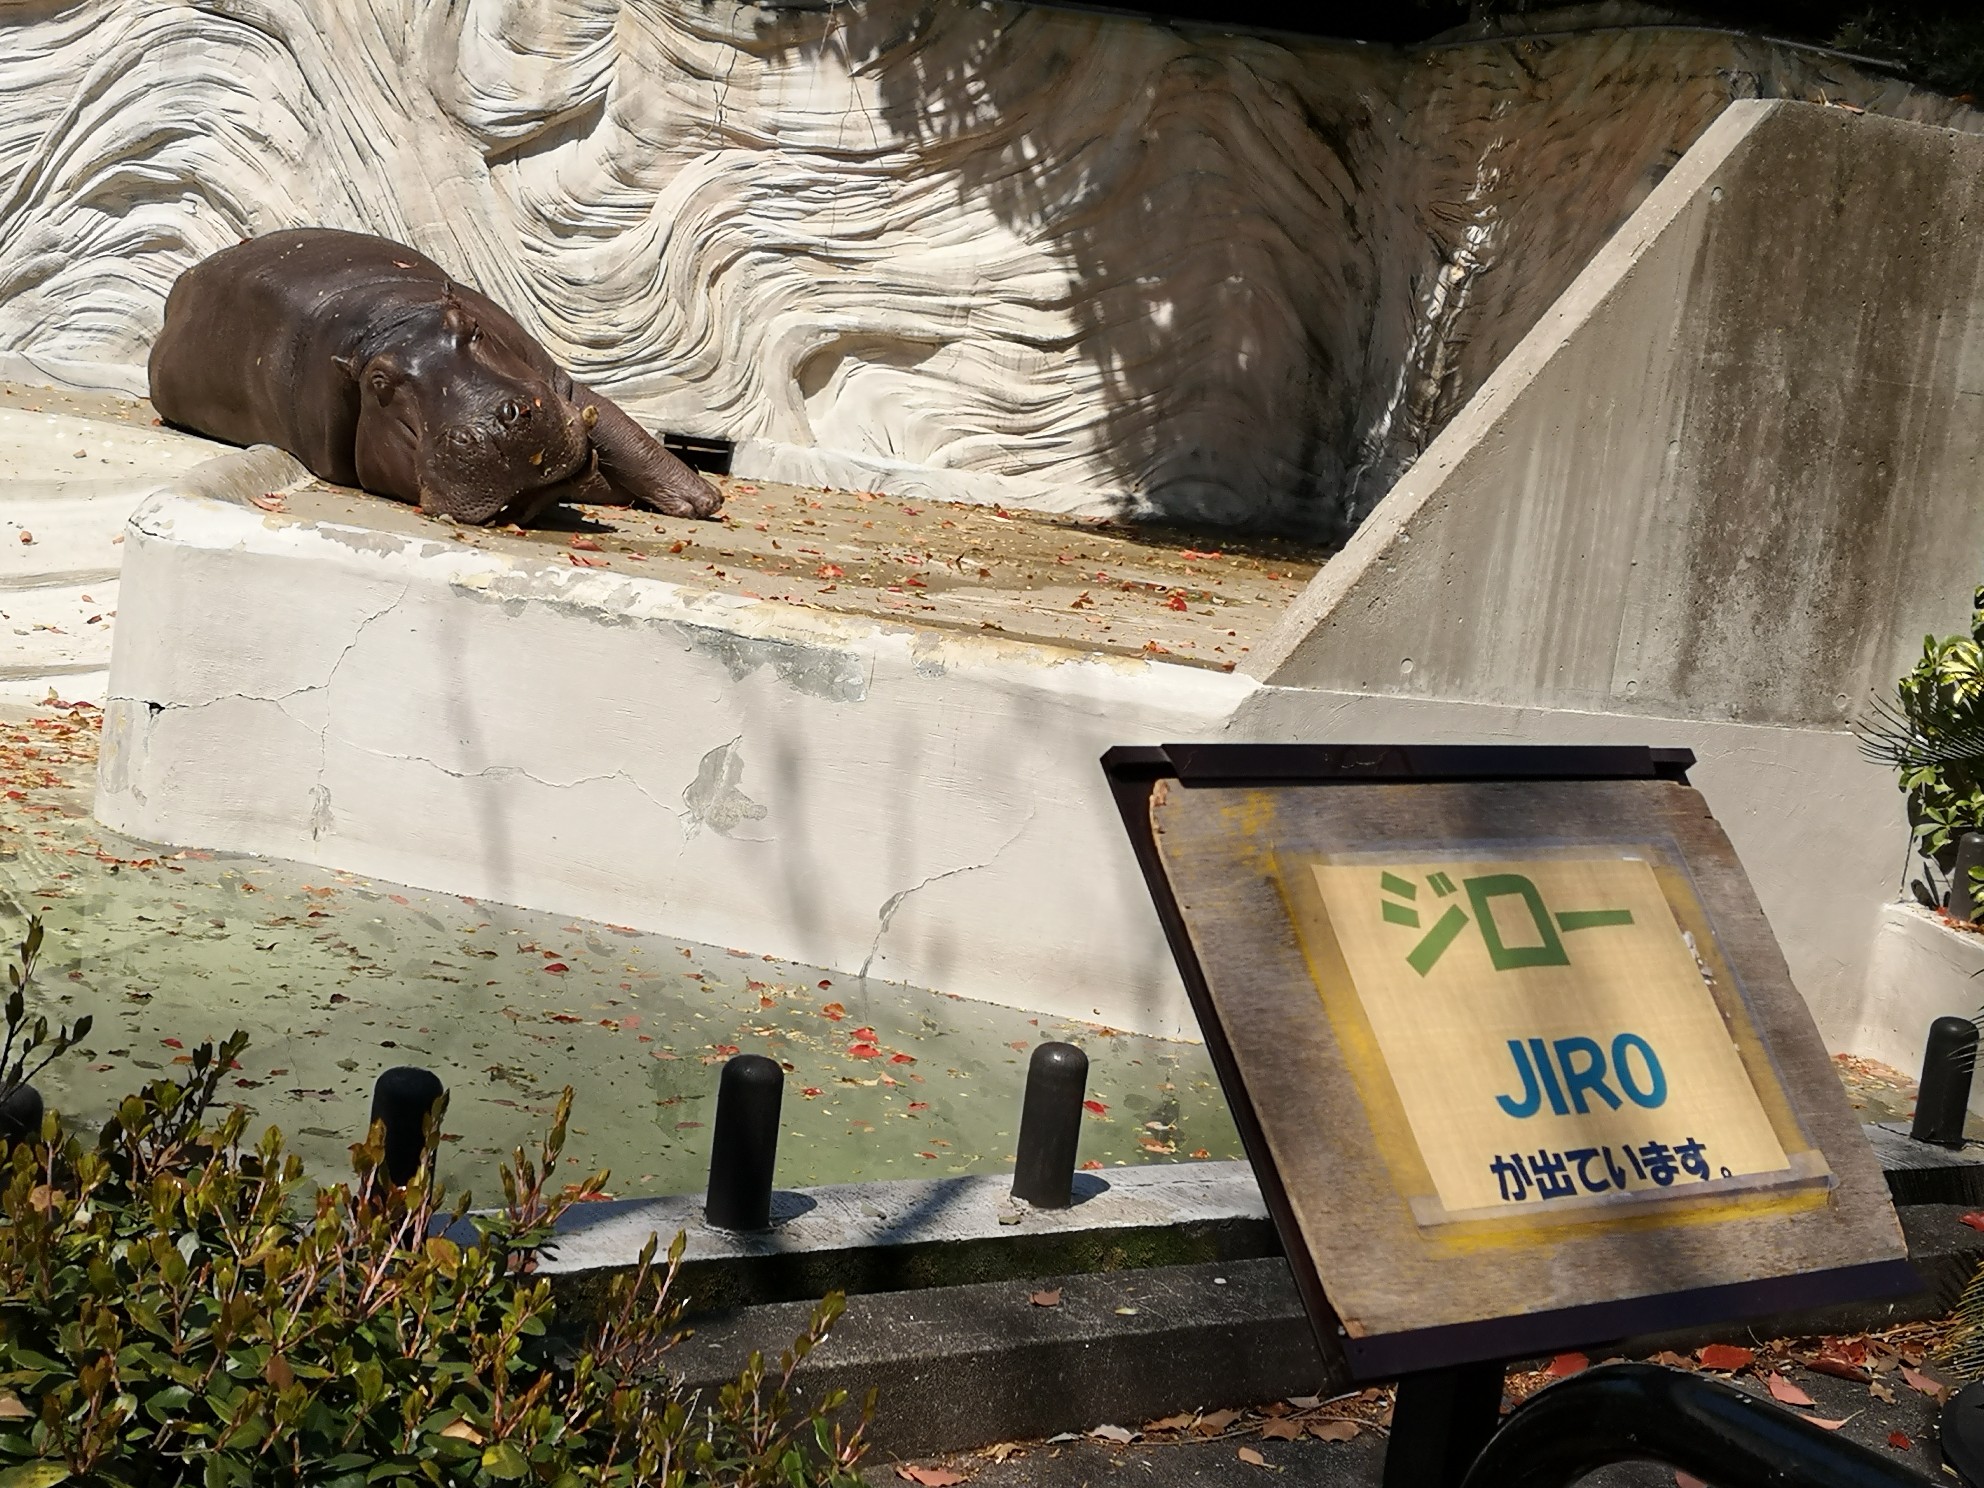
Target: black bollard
[[1947, 1064], [1963, 903], [20, 1115], [1050, 1126], [744, 1146], [404, 1098]]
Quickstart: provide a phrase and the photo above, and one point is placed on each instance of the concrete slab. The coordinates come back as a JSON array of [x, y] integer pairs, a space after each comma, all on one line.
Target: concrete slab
[[73, 467], [494, 719]]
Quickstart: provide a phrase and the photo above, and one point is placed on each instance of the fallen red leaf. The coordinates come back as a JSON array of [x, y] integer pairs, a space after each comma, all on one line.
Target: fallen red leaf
[[1176, 602], [810, 1091], [829, 571], [587, 544], [929, 1477], [1095, 1108], [172, 1043], [1783, 1390], [902, 1059], [834, 1011], [1049, 1298], [864, 1035], [864, 1051], [557, 967], [1899, 1441], [1565, 1365], [1975, 1221], [1935, 1389], [1727, 1357]]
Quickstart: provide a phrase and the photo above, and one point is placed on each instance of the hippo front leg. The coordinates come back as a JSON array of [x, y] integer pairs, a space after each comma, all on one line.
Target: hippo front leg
[[639, 469]]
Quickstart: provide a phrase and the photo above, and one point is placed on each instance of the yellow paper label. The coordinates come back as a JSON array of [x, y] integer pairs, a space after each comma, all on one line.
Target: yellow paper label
[[1548, 1028]]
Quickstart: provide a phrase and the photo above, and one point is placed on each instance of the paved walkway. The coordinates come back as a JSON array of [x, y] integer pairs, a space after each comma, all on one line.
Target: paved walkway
[[1238, 1455]]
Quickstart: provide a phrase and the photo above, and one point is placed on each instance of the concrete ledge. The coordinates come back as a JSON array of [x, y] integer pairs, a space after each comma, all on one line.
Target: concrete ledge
[[913, 805], [880, 1237], [963, 1366]]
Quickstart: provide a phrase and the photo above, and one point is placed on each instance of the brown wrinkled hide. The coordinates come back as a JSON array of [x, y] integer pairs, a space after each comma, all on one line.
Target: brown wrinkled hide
[[360, 358]]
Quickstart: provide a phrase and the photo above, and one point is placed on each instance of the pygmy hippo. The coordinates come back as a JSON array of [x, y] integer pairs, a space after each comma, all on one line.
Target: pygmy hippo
[[366, 362]]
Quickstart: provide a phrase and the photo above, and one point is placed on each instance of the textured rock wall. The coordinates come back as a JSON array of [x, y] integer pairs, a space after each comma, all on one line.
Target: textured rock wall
[[995, 250]]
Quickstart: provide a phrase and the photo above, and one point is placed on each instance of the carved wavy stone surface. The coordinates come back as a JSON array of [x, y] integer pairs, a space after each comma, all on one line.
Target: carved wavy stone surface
[[996, 250]]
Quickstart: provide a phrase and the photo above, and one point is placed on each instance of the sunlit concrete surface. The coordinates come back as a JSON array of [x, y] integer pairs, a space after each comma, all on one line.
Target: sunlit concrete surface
[[73, 467]]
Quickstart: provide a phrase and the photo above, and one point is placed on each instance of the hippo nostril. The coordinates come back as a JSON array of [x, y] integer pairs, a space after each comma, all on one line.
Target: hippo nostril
[[511, 412]]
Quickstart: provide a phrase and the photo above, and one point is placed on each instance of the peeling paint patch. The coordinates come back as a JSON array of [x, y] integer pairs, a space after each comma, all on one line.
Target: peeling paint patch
[[838, 676], [713, 799]]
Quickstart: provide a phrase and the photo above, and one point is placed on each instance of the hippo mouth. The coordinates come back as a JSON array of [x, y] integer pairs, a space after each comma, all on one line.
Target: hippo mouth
[[582, 484]]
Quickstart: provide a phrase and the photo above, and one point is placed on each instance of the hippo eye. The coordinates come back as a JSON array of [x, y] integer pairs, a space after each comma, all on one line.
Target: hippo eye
[[460, 438]]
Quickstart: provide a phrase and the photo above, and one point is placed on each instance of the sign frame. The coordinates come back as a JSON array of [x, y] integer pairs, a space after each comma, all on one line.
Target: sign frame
[[1140, 775]]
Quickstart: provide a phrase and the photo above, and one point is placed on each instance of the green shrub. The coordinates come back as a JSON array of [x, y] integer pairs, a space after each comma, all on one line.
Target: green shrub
[[1932, 733], [179, 1308]]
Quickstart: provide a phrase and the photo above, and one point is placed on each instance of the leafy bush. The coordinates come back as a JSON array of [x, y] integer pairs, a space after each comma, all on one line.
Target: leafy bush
[[178, 1308], [1932, 733]]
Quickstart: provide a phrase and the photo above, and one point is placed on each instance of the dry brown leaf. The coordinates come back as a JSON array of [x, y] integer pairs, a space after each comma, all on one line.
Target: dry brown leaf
[[12, 1408], [1252, 1458], [1121, 1435], [999, 1451], [1305, 1402], [1783, 1390], [1933, 1388], [1172, 1423], [1281, 1430], [1824, 1425], [1334, 1431], [1881, 1392], [929, 1477], [1687, 1480], [1215, 1422], [1049, 1298], [460, 1430]]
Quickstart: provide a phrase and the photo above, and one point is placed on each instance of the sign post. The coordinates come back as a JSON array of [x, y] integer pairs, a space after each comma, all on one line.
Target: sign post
[[1513, 1051]]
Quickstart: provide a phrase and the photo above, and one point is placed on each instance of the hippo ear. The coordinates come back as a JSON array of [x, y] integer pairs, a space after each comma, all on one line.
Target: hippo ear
[[459, 323]]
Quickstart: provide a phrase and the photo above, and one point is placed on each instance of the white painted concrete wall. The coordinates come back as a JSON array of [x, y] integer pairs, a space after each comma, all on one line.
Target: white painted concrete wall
[[1018, 253], [918, 806]]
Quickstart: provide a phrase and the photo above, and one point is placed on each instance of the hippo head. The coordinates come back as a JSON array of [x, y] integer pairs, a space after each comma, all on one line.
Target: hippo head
[[465, 426]]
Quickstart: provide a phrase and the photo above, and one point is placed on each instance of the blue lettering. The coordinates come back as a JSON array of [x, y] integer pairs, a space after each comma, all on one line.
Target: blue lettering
[[1550, 1086], [1531, 1096], [1654, 1093], [1590, 1077]]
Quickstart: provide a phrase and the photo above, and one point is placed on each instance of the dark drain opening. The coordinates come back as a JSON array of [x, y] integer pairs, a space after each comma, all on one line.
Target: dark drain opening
[[700, 453]]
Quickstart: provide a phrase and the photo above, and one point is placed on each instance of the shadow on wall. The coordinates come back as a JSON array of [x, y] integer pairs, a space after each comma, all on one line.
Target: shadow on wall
[[1290, 262]]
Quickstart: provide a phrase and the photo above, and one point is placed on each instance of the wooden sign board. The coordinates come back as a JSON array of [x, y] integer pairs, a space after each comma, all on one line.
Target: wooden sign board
[[1513, 1050]]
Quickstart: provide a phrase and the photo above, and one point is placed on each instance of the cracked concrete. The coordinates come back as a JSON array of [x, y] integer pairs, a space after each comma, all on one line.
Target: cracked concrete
[[476, 720], [885, 916]]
